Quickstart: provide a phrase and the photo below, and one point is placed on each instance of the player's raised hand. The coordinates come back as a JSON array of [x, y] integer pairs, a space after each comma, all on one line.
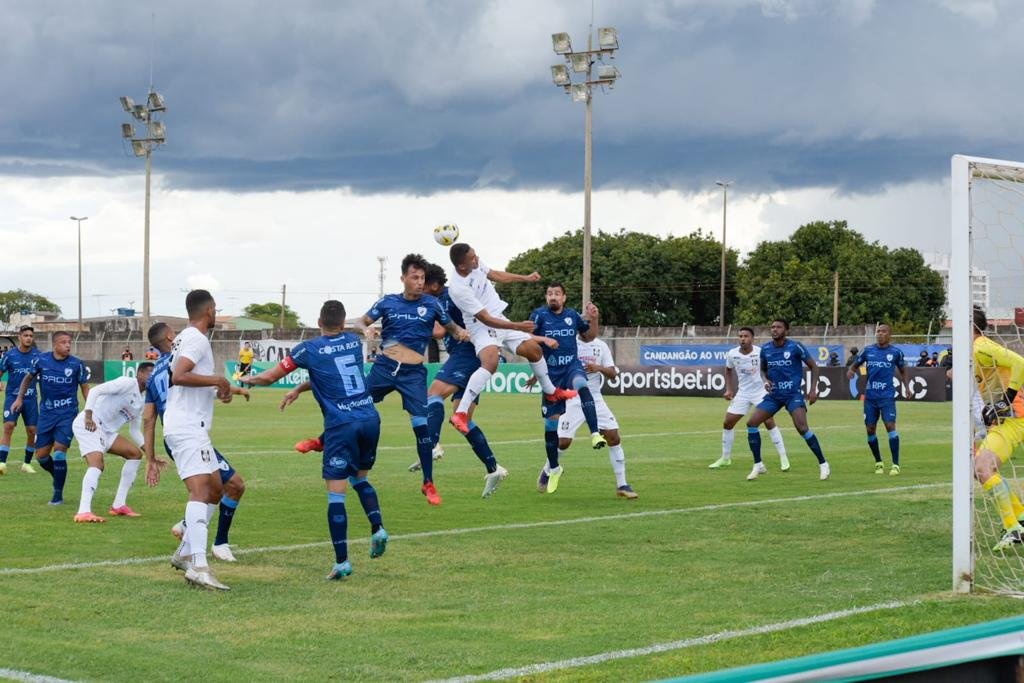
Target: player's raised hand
[[289, 398], [591, 311], [532, 277]]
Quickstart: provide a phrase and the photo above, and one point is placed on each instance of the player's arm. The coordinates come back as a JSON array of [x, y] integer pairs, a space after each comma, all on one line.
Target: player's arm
[[293, 394], [549, 342], [182, 375], [271, 375], [855, 365], [456, 331], [812, 390], [105, 389], [768, 385], [591, 314], [154, 465], [25, 382], [730, 383], [500, 324], [504, 277]]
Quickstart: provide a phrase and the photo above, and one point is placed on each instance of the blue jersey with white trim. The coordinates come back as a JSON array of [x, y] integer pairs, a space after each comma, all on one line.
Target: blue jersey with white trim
[[453, 346], [17, 364], [784, 366], [880, 362], [408, 321], [335, 366], [563, 327], [59, 380], [159, 382]]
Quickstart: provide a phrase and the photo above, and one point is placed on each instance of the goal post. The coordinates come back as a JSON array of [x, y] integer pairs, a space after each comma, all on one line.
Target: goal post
[[987, 255]]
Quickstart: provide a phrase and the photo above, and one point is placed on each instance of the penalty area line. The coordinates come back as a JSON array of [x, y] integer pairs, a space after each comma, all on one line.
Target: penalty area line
[[9, 571], [601, 658], [28, 677]]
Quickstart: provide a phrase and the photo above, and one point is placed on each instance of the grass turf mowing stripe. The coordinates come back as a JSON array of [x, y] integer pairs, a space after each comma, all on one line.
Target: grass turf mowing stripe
[[8, 571], [574, 662]]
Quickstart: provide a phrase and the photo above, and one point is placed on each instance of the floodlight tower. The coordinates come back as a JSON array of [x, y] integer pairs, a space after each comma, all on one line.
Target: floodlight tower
[[79, 220], [724, 184], [156, 135], [583, 62]]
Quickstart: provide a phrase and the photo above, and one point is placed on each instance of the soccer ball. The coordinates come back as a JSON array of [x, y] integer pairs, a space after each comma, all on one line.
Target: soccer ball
[[446, 235]]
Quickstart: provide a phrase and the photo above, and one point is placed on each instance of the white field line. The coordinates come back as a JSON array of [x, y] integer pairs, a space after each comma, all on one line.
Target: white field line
[[14, 675], [545, 667], [9, 571]]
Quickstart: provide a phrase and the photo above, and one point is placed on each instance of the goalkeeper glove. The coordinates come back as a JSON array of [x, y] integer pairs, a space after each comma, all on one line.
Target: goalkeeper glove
[[999, 410]]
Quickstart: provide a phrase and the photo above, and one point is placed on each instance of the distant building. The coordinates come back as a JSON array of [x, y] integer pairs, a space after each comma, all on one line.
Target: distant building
[[979, 281]]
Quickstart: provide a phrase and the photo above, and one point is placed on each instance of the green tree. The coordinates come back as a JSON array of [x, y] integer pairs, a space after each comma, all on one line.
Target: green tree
[[636, 279], [17, 300], [270, 312], [794, 279]]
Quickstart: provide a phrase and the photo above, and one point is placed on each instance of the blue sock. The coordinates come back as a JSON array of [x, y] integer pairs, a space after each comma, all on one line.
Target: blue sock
[[227, 514], [60, 474], [551, 442], [589, 409], [754, 439], [46, 462], [812, 443], [424, 447], [894, 447], [337, 523], [29, 454], [368, 499], [873, 445], [435, 419], [4, 450], [479, 444]]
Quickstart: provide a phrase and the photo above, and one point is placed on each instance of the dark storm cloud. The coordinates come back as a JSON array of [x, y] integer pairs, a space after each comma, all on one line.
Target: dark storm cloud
[[417, 97]]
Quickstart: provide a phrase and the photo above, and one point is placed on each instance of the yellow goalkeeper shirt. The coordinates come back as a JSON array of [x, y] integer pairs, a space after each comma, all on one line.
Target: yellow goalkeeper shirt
[[997, 369]]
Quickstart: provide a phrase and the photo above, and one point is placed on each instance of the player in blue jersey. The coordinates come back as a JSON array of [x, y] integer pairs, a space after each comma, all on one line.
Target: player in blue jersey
[[881, 360], [782, 364], [161, 337], [60, 376], [351, 425], [16, 363], [451, 380], [407, 326], [566, 372]]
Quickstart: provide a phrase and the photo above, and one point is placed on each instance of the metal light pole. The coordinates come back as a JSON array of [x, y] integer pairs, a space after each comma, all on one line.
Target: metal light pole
[[583, 62], [79, 221], [156, 135], [721, 289]]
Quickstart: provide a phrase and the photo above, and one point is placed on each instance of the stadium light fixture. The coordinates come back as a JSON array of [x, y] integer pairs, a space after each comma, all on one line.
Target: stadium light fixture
[[580, 92], [156, 102], [560, 75], [608, 38], [127, 131], [128, 104], [580, 62], [606, 72], [560, 43], [139, 148]]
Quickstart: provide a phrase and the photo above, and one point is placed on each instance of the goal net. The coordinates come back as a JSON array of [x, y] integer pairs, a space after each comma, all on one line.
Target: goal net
[[987, 272]]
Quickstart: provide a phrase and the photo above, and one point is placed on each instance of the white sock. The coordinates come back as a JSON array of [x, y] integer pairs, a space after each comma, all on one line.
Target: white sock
[[89, 483], [128, 472], [477, 381], [618, 459], [728, 436], [540, 369], [196, 532], [776, 436]]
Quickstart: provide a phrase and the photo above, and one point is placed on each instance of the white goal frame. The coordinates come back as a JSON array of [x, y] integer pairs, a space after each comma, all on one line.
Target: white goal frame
[[963, 170]]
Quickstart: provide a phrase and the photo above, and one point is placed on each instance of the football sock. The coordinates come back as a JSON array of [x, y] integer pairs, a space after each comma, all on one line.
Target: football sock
[[197, 531], [551, 442], [435, 418], [478, 442], [226, 510], [60, 473], [589, 409], [337, 523], [476, 383], [46, 462], [368, 499], [4, 451], [89, 483], [873, 445], [540, 369], [128, 472], [775, 434], [812, 443], [29, 454], [618, 458], [424, 447], [1001, 491], [754, 439], [894, 447], [728, 437]]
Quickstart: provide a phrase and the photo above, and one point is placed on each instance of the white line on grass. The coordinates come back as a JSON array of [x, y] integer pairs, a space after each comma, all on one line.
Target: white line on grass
[[534, 669], [493, 527], [13, 675]]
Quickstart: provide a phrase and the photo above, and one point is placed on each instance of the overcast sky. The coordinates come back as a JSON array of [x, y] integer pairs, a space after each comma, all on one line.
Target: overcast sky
[[307, 139]]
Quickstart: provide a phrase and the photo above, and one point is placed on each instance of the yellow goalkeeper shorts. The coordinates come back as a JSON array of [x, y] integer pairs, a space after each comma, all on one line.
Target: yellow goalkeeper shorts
[[1004, 439]]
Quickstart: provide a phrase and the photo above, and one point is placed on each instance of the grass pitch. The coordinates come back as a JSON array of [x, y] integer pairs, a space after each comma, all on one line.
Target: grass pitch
[[704, 559]]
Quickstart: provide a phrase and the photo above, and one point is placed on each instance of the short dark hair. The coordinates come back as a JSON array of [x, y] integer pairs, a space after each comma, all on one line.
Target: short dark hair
[[143, 366], [436, 275], [414, 261], [748, 329], [785, 323], [555, 284], [156, 332], [458, 253], [980, 319], [60, 333], [196, 301], [332, 314], [26, 328]]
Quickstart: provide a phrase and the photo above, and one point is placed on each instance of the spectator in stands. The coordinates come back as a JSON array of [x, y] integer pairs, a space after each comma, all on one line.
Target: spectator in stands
[[372, 356], [853, 356], [833, 360], [922, 361], [933, 362], [127, 354], [152, 353], [947, 360]]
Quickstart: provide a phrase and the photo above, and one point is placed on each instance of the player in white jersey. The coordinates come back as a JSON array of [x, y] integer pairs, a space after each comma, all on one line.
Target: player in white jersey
[[597, 360], [194, 384], [743, 368], [108, 407], [471, 290]]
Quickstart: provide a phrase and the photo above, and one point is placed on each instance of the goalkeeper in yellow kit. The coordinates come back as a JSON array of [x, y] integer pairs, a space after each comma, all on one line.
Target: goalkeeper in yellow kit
[[1000, 374]]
